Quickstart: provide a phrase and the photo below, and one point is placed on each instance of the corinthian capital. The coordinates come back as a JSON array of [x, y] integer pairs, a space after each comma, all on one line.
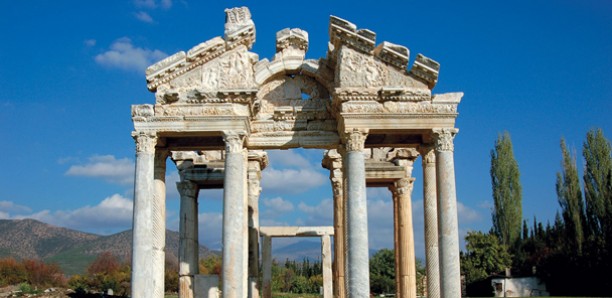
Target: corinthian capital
[[443, 138], [145, 142], [234, 141], [354, 140]]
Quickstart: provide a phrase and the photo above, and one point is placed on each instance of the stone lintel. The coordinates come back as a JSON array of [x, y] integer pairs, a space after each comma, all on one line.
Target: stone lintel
[[395, 123], [295, 231], [289, 139], [182, 126]]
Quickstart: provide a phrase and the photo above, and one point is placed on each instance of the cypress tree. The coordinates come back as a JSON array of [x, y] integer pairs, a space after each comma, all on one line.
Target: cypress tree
[[570, 198], [598, 184], [507, 192]]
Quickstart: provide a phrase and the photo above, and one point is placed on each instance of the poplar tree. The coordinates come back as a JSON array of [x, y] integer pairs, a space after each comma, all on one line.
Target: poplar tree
[[570, 198], [507, 192], [598, 184]]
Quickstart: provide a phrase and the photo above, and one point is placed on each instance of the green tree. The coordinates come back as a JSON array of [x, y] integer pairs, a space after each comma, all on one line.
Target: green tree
[[598, 184], [485, 255], [507, 192], [382, 272], [570, 199]]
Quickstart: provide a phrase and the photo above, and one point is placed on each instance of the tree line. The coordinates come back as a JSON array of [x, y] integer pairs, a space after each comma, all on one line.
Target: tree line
[[572, 254]]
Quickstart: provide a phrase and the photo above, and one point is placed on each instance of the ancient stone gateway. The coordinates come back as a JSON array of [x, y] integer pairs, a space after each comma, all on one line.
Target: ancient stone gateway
[[360, 102]]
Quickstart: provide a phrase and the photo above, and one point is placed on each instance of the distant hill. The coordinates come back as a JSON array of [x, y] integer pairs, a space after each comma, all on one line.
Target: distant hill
[[304, 249], [72, 250]]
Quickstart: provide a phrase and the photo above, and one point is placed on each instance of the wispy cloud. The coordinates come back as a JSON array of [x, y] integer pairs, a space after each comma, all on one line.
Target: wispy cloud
[[318, 215], [291, 181], [10, 207], [288, 158], [152, 4], [89, 42], [124, 55], [144, 17], [277, 205], [107, 167]]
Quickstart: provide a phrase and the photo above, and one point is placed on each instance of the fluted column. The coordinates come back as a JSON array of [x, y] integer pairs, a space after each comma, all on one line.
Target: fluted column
[[357, 215], [149, 218], [402, 190], [234, 217], [448, 230], [430, 210], [396, 245], [188, 238]]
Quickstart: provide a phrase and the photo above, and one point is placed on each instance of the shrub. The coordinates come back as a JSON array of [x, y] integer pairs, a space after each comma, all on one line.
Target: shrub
[[11, 272]]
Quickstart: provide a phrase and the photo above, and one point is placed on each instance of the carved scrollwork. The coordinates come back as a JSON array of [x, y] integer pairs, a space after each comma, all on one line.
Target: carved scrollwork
[[355, 140], [145, 142], [443, 138]]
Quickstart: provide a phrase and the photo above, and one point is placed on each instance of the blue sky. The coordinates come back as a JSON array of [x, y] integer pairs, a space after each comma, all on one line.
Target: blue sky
[[69, 71]]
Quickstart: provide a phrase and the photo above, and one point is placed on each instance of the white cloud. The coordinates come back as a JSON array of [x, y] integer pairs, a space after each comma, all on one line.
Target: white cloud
[[111, 215], [4, 215], [290, 180], [106, 167], [11, 207], [277, 205], [144, 17], [90, 42], [124, 55]]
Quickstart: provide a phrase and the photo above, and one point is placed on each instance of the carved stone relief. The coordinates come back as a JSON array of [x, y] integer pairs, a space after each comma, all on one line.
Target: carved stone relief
[[360, 70]]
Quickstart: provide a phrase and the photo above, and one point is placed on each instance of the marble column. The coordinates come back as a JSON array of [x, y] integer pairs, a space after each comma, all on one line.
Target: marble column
[[159, 222], [430, 215], [235, 225], [333, 162], [257, 162], [402, 190], [448, 231], [326, 265], [267, 266], [357, 215], [149, 218], [188, 241], [396, 246]]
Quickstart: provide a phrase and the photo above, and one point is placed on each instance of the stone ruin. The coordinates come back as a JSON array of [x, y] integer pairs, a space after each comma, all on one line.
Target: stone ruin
[[218, 106]]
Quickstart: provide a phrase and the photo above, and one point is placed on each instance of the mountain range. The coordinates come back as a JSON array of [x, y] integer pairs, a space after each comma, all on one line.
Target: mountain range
[[72, 250]]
